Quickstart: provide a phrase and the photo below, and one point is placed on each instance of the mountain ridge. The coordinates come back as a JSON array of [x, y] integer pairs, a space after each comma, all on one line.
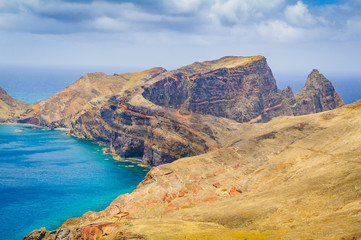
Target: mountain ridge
[[10, 107], [229, 157], [275, 180], [174, 104], [88, 90]]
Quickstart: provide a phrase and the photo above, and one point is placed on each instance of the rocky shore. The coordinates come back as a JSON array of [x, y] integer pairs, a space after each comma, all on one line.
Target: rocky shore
[[290, 178], [235, 157], [186, 112]]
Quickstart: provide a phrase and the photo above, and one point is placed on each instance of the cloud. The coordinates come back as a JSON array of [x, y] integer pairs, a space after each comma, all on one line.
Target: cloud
[[182, 6], [172, 27], [353, 30], [279, 31], [208, 17], [299, 15]]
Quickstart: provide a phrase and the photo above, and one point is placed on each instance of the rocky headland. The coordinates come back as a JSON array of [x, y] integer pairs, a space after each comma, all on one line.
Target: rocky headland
[[10, 107], [89, 90], [185, 112], [235, 158], [295, 177]]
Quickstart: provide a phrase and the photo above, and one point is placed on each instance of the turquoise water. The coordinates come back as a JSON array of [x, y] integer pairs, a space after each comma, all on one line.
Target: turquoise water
[[47, 177]]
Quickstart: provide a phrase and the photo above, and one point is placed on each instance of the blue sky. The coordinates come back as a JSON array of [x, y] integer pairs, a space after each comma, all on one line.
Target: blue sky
[[295, 36]]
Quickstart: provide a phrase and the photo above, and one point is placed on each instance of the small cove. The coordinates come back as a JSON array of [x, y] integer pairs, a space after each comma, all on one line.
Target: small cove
[[47, 177]]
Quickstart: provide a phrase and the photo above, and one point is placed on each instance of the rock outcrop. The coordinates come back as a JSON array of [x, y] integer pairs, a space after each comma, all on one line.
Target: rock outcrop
[[281, 178], [183, 112], [161, 116], [238, 88], [10, 107], [91, 89], [291, 178], [317, 95]]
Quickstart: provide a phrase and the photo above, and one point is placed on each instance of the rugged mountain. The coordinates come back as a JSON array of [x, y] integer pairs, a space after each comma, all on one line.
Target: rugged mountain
[[91, 89], [317, 95], [9, 106], [291, 178], [185, 112]]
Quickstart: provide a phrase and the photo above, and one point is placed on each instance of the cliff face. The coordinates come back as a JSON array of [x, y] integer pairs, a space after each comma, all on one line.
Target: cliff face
[[290, 178], [9, 106], [91, 89], [277, 180], [238, 89], [182, 112], [161, 116], [317, 95], [138, 128]]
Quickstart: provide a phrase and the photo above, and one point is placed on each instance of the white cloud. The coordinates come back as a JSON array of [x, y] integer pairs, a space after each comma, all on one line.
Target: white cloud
[[183, 6], [353, 28], [279, 30], [234, 11], [299, 15], [108, 24], [173, 27]]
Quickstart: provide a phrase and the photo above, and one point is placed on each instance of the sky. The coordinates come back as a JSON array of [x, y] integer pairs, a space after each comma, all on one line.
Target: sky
[[294, 36]]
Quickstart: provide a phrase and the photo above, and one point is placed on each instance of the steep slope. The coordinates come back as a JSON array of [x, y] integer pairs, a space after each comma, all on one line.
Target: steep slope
[[185, 112], [238, 88], [290, 178], [9, 106], [317, 95], [91, 89]]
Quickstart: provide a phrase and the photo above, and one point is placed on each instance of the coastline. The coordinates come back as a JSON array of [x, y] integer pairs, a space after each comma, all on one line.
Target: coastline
[[57, 157], [105, 151], [35, 126]]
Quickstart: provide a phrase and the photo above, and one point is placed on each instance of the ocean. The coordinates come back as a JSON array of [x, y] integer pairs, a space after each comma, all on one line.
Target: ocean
[[31, 84], [47, 176], [348, 85]]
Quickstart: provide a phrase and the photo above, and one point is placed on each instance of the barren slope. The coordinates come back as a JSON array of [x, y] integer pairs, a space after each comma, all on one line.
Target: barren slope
[[92, 89], [290, 178], [9, 106], [184, 112]]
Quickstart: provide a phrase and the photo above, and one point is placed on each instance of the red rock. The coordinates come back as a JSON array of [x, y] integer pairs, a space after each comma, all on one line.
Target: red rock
[[237, 166], [234, 192], [210, 199], [209, 175], [94, 231], [172, 205], [181, 194], [219, 171]]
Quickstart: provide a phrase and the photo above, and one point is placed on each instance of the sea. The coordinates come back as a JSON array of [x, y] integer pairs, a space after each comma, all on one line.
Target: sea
[[47, 176]]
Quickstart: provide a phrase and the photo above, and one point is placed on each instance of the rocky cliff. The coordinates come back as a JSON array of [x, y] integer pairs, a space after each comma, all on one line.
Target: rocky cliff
[[241, 173], [9, 107], [317, 95], [291, 178], [91, 89], [185, 112]]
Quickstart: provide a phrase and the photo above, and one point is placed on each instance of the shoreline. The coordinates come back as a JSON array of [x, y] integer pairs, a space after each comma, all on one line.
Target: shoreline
[[90, 157], [36, 126], [137, 161]]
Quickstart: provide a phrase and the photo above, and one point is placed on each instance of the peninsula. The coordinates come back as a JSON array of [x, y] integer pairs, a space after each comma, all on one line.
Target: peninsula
[[233, 155]]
